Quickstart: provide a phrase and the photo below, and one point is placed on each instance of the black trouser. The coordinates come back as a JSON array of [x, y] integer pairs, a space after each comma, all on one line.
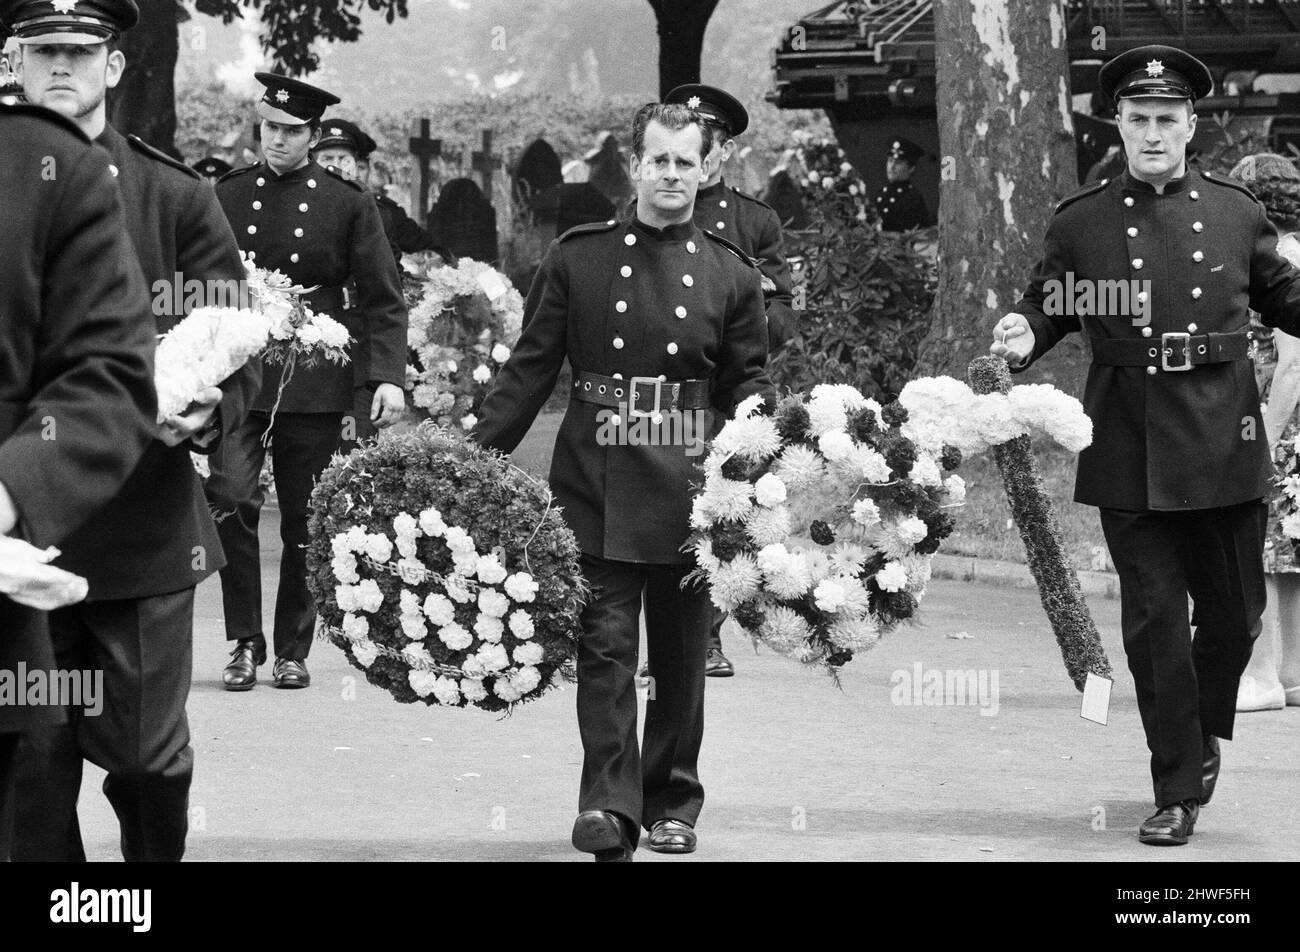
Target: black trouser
[[1187, 688], [301, 446], [141, 737], [715, 631], [660, 781], [8, 789]]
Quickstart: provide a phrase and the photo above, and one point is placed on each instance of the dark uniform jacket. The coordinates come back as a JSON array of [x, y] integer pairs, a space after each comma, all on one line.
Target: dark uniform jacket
[[755, 228], [902, 208], [404, 234], [77, 400], [1168, 440], [319, 229], [157, 536], [626, 298]]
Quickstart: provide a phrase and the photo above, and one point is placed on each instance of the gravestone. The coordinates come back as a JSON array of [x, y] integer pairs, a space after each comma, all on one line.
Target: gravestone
[[423, 149], [537, 170], [609, 170], [464, 222]]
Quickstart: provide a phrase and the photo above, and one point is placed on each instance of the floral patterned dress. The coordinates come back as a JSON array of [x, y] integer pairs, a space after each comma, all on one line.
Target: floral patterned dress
[[1279, 551]]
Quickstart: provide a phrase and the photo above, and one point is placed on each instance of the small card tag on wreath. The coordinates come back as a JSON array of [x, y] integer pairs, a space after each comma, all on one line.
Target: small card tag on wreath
[[1096, 699], [492, 285]]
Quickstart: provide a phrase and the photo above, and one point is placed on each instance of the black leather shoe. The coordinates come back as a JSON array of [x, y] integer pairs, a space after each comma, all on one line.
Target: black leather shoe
[[1171, 825], [716, 664], [1209, 768], [672, 836], [603, 834], [241, 673], [288, 673]]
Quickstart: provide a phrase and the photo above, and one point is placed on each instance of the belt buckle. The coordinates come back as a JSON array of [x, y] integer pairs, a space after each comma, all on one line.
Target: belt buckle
[[1166, 351], [632, 411]]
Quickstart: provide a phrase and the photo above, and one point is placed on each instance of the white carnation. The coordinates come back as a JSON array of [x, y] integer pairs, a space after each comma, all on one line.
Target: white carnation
[[431, 523], [482, 374], [439, 609], [521, 624], [422, 682], [521, 587], [411, 571], [455, 637], [835, 445], [365, 652], [829, 595], [355, 627], [417, 656], [369, 597], [954, 488], [467, 421], [489, 627], [473, 689], [911, 530], [490, 570], [345, 568], [492, 657], [404, 525], [447, 691], [491, 602], [500, 353], [769, 490], [892, 578], [925, 471], [530, 653], [379, 547], [826, 414]]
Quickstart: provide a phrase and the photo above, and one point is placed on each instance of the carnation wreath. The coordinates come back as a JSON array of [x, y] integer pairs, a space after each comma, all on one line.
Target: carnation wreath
[[461, 331], [445, 573], [815, 526]]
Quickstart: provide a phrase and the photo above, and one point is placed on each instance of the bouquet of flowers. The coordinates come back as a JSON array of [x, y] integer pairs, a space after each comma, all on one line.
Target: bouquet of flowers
[[444, 572], [460, 333], [815, 526], [298, 335], [1287, 501]]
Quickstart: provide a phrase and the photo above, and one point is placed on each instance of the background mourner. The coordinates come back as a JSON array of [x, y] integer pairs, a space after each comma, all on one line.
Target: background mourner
[[323, 232], [77, 342], [900, 205], [1180, 465], [656, 317], [148, 548], [212, 168]]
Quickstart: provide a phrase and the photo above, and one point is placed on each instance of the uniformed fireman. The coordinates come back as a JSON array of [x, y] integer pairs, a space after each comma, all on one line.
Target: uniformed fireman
[[321, 231], [150, 546], [1179, 460], [755, 228], [900, 205], [663, 325]]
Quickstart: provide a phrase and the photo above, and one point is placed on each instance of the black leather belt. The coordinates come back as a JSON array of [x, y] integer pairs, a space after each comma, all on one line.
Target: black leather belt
[[642, 395], [1171, 352], [329, 299]]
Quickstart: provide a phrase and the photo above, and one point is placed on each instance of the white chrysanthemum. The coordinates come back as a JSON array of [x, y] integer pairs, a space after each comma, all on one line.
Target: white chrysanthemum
[[1291, 525], [835, 445], [521, 624], [770, 490], [826, 415], [404, 524], [701, 517], [892, 578], [417, 655], [735, 582], [866, 513], [473, 689], [530, 653], [785, 574], [766, 526], [491, 602], [369, 597], [365, 651], [847, 558], [521, 587], [490, 571], [853, 634], [728, 498], [815, 562], [455, 637], [439, 609], [912, 530], [493, 657], [431, 523], [829, 595], [489, 628], [500, 353], [846, 395], [799, 467], [411, 571], [925, 471], [704, 556], [748, 406], [447, 691], [379, 547], [918, 573], [345, 568], [753, 438], [422, 682], [482, 374], [785, 632], [355, 627], [954, 489], [857, 599]]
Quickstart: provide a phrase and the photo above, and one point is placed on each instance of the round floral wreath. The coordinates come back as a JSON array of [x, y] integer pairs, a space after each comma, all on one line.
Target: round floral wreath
[[460, 332], [427, 610], [816, 526]]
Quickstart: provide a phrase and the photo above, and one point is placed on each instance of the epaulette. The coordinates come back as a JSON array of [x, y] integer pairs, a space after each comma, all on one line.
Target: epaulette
[[1084, 192], [1226, 182], [236, 172], [730, 247], [590, 228], [751, 198], [346, 181], [160, 156], [40, 112]]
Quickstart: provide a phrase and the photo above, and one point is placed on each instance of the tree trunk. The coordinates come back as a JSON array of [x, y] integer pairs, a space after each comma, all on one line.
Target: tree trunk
[[1008, 155], [144, 102], [681, 26]]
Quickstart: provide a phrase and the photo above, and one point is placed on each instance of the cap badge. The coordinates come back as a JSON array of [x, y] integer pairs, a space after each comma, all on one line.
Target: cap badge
[[282, 95], [1155, 68], [693, 102], [63, 6], [335, 131]]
